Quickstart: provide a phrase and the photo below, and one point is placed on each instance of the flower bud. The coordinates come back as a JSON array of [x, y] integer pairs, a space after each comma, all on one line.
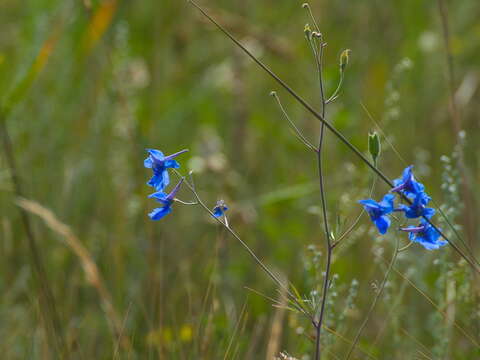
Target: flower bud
[[374, 147], [307, 31], [344, 58]]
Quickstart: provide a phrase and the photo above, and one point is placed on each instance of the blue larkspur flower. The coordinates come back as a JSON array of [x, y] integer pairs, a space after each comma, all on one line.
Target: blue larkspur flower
[[378, 211], [408, 184], [418, 207], [159, 163], [166, 200], [220, 208], [426, 235]]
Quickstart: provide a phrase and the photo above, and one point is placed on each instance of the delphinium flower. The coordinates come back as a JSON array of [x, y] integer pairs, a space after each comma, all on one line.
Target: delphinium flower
[[408, 184], [418, 207], [166, 200], [220, 208], [378, 211], [159, 163], [426, 235]]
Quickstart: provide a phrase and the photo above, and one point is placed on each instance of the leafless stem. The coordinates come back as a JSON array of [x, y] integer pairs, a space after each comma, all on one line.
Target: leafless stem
[[257, 260]]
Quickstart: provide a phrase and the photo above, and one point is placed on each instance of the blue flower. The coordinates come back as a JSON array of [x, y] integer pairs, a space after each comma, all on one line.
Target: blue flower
[[166, 200], [378, 211], [426, 235], [220, 208], [417, 208], [159, 163], [408, 184]]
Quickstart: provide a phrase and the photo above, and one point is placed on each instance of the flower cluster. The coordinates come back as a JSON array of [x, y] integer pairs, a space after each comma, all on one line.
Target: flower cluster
[[160, 164], [424, 234]]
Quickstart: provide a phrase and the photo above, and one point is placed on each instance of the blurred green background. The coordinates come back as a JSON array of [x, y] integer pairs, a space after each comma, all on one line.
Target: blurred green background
[[86, 86]]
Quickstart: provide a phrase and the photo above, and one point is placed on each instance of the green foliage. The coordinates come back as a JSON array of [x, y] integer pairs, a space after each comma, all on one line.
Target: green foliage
[[88, 85]]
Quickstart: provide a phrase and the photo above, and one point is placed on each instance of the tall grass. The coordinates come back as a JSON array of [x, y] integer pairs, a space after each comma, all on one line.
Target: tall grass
[[86, 86]]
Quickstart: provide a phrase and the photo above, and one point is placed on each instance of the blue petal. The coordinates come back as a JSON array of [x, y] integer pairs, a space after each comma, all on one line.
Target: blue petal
[[387, 203], [156, 154], [157, 182], [407, 173], [162, 197], [159, 213], [165, 177], [382, 223], [159, 195], [429, 245], [428, 212], [217, 212], [172, 164], [369, 204], [148, 163]]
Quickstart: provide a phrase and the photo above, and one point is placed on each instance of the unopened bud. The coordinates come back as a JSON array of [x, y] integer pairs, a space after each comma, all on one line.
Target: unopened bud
[[374, 147], [344, 58], [307, 31]]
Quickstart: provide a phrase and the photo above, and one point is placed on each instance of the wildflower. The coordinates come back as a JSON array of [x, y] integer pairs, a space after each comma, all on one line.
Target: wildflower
[[159, 164], [417, 208], [408, 184], [220, 208], [378, 211], [426, 235], [166, 200]]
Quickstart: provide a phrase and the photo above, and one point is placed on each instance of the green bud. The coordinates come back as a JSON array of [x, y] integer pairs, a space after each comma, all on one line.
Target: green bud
[[307, 31], [344, 58], [374, 147]]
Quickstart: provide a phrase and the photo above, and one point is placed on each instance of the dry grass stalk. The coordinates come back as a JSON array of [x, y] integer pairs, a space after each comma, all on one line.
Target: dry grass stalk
[[89, 266]]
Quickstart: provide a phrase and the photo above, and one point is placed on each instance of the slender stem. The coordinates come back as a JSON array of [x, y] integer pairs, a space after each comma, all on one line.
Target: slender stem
[[318, 55], [299, 134], [186, 202], [337, 90], [259, 262], [330, 127], [374, 303]]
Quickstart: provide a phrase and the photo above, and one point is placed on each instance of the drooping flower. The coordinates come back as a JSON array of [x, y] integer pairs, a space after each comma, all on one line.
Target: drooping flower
[[408, 184], [159, 163], [426, 235], [378, 211], [166, 200], [418, 207], [220, 208]]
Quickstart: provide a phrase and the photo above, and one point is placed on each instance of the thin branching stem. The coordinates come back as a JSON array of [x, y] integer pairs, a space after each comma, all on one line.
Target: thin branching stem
[[199, 201], [318, 55], [330, 127], [337, 90], [298, 133]]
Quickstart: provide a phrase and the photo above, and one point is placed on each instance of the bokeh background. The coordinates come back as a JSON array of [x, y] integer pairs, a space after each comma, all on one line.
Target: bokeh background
[[86, 86]]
